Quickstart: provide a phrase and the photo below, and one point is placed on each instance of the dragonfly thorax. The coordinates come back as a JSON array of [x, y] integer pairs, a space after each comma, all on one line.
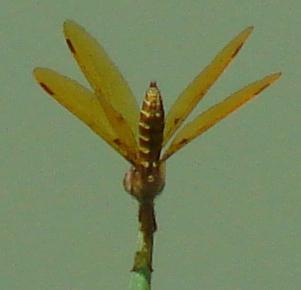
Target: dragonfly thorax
[[145, 185]]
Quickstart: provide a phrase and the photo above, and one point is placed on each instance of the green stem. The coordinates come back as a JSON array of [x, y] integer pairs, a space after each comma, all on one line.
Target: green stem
[[142, 269]]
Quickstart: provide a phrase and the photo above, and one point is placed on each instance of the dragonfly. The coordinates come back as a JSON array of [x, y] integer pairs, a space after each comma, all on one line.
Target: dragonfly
[[145, 137]]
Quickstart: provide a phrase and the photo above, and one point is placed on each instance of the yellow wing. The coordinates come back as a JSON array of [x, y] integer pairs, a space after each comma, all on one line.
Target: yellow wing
[[84, 105], [196, 90], [104, 77], [216, 113]]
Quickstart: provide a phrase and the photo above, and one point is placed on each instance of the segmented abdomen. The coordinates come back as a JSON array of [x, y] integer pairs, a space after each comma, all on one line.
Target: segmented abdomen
[[151, 126]]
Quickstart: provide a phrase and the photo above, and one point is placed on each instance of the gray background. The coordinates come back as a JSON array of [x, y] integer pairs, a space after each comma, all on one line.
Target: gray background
[[229, 217]]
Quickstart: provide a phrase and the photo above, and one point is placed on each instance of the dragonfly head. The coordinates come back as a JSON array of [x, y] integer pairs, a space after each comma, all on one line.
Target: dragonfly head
[[145, 185]]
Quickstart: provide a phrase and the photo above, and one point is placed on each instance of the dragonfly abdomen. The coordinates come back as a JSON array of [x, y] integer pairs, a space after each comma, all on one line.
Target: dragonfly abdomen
[[151, 126]]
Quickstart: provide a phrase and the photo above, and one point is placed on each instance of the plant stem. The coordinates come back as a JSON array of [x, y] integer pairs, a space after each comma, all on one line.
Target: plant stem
[[142, 269]]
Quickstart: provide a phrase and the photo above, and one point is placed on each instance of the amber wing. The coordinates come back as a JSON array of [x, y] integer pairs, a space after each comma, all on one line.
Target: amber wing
[[111, 111], [104, 77], [216, 113], [83, 104], [196, 90]]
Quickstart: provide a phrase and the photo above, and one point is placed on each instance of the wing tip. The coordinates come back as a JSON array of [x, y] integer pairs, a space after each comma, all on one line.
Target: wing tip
[[69, 25], [274, 76], [37, 71], [250, 28], [246, 32], [278, 74], [68, 22]]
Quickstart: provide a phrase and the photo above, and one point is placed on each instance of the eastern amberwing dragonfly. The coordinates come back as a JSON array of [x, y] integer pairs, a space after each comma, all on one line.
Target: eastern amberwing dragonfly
[[110, 109]]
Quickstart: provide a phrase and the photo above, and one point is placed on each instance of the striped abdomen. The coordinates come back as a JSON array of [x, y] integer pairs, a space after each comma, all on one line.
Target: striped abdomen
[[146, 179], [151, 126]]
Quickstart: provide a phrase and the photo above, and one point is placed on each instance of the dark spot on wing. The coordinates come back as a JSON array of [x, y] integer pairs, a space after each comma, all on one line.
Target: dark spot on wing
[[50, 92], [176, 121], [237, 50], [117, 141], [71, 47], [261, 89], [183, 141]]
